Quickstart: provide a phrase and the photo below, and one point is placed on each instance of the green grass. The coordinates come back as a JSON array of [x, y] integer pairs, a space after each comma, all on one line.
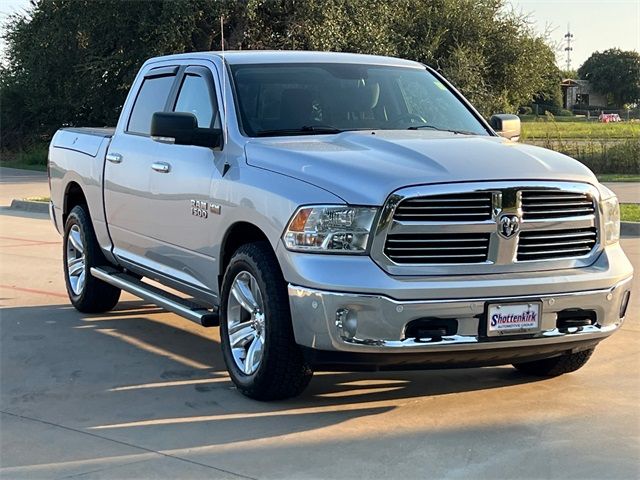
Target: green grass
[[630, 212], [579, 130], [557, 118], [32, 158], [618, 177]]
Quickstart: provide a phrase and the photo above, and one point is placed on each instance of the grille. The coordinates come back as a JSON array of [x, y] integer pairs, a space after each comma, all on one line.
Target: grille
[[437, 247], [543, 245], [540, 204], [450, 207]]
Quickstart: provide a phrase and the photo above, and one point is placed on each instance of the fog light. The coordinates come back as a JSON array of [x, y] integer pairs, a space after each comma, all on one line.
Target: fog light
[[625, 303], [347, 322]]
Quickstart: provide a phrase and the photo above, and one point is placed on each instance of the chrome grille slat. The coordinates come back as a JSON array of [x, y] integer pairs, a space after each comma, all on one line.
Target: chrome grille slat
[[535, 245], [438, 248], [458, 206], [447, 240], [554, 197], [447, 207], [544, 236], [439, 216], [563, 252], [566, 204], [539, 204], [448, 200], [565, 211]]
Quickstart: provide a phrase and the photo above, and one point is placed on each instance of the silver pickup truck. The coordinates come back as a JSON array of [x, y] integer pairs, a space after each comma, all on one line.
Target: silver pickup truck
[[337, 211]]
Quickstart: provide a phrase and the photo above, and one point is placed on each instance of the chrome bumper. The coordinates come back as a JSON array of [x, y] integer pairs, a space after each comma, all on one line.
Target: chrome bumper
[[364, 323]]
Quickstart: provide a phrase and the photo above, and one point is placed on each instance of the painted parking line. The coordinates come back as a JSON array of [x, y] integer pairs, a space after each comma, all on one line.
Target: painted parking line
[[33, 290]]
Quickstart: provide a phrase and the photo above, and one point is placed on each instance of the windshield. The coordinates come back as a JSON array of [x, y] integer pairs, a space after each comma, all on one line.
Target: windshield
[[305, 99]]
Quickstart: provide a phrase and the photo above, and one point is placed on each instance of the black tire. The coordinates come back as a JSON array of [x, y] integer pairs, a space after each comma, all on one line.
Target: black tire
[[96, 296], [552, 367], [282, 372]]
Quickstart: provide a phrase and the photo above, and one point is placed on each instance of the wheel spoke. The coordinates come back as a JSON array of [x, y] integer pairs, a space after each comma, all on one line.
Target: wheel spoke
[[255, 292], [254, 355], [75, 266], [243, 295], [242, 336], [76, 240], [239, 326], [81, 280]]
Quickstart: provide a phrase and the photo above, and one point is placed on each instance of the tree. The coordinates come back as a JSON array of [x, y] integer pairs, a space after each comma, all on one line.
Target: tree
[[71, 62], [615, 73]]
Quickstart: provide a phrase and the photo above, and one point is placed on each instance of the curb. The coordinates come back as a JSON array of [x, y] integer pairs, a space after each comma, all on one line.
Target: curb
[[29, 206], [630, 229]]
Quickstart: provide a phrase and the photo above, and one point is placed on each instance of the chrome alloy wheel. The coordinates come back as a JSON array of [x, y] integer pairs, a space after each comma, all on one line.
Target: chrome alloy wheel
[[246, 323], [76, 270]]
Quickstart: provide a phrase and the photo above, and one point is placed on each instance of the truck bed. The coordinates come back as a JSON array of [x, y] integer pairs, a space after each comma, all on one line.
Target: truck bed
[[85, 140]]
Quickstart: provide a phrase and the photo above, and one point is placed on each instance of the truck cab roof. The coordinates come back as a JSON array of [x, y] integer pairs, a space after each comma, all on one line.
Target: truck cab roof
[[243, 57]]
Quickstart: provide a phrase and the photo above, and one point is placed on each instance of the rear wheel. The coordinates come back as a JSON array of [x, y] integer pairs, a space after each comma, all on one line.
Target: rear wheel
[[258, 344], [552, 367], [81, 252]]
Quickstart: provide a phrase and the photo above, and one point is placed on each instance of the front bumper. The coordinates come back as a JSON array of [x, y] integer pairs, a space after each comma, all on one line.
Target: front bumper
[[373, 324], [376, 324]]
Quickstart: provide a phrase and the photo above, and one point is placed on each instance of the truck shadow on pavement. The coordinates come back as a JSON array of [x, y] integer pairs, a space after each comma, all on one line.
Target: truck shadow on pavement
[[146, 376]]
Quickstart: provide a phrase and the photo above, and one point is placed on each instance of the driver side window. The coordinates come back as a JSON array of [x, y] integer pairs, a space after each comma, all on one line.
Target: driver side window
[[198, 97]]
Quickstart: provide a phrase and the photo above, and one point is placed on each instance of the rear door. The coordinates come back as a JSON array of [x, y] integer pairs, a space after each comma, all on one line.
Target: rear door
[[130, 206]]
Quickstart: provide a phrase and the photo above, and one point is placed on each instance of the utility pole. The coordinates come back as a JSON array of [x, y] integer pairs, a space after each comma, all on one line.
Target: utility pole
[[568, 39]]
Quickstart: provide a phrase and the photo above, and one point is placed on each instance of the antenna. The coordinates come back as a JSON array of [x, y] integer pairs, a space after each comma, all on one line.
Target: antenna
[[568, 38], [224, 80]]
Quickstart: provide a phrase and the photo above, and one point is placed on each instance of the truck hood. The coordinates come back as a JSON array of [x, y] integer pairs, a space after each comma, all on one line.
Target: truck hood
[[363, 168]]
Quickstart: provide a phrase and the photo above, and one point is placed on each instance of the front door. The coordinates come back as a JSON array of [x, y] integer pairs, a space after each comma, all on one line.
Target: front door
[[182, 185]]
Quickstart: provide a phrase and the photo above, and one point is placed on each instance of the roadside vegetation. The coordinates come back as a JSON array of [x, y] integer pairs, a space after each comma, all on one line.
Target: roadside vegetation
[[606, 148], [27, 158], [592, 130], [618, 177], [630, 212]]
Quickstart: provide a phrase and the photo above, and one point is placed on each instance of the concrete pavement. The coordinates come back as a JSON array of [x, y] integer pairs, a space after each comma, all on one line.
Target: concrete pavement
[[627, 192], [21, 184], [141, 393]]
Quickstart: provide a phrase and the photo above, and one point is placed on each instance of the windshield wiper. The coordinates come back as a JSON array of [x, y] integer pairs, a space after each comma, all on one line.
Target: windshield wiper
[[433, 127], [304, 130]]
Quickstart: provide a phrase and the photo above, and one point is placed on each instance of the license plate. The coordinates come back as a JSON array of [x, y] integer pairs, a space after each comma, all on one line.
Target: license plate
[[513, 318]]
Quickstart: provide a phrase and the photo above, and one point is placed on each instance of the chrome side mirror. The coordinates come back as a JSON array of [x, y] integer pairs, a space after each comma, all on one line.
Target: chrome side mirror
[[506, 125]]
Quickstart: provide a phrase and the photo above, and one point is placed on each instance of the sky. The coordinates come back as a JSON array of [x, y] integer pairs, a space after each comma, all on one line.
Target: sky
[[596, 24]]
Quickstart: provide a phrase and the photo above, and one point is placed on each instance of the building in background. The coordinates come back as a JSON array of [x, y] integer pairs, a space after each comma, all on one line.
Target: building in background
[[579, 94]]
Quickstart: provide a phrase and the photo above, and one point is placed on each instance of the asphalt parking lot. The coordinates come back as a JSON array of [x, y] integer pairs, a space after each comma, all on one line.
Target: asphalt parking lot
[[141, 393]]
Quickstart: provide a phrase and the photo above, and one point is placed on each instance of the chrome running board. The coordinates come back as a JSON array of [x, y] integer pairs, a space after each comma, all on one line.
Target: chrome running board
[[181, 306]]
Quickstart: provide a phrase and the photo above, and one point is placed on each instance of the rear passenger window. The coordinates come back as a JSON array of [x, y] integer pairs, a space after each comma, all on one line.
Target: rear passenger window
[[196, 97], [152, 98]]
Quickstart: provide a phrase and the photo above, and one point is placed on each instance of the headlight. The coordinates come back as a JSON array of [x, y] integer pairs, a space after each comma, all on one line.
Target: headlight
[[330, 229], [610, 212]]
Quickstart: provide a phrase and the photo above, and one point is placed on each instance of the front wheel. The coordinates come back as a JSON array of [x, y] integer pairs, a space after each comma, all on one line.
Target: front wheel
[[552, 367], [258, 345]]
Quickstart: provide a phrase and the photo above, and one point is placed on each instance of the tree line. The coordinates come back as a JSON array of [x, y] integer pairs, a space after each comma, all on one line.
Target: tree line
[[71, 62]]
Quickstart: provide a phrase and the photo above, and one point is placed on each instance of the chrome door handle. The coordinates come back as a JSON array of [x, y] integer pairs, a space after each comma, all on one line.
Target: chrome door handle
[[114, 157], [161, 167]]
